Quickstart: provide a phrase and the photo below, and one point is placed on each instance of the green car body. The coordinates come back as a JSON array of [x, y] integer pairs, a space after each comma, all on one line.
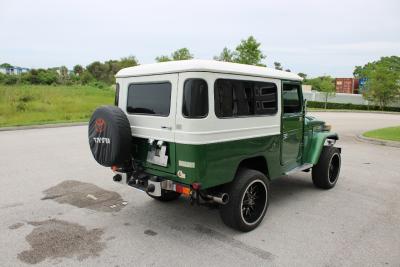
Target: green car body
[[217, 164]]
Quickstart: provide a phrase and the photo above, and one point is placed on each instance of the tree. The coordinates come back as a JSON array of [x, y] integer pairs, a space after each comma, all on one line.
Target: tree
[[78, 69], [302, 75], [86, 77], [391, 63], [126, 62], [383, 80], [105, 72], [6, 65], [180, 54], [247, 52], [382, 87], [63, 75], [226, 55], [63, 71], [324, 84], [278, 66], [327, 87], [163, 59], [47, 76], [99, 71]]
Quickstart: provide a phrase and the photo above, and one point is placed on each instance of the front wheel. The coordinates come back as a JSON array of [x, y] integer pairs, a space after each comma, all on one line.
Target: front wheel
[[249, 198], [326, 173]]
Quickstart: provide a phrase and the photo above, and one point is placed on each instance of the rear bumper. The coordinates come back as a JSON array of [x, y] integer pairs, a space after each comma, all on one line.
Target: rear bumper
[[151, 184], [156, 185]]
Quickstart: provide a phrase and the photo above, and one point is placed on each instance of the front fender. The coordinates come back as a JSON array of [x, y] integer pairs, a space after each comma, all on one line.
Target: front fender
[[317, 143]]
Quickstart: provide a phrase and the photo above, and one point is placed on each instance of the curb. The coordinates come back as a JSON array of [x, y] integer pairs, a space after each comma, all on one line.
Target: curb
[[378, 141], [42, 126], [354, 111]]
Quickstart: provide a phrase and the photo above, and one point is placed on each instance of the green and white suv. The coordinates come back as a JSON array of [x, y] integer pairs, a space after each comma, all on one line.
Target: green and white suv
[[215, 132]]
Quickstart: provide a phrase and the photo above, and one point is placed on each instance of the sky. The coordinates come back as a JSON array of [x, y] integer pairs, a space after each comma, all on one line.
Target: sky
[[310, 36]]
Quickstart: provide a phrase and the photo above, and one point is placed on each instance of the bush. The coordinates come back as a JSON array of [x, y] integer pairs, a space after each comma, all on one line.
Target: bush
[[86, 77], [9, 79], [100, 85], [26, 98], [321, 105]]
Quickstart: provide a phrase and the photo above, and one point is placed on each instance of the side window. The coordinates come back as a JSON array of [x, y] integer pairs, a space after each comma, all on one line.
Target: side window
[[236, 98], [195, 99], [116, 94], [291, 98]]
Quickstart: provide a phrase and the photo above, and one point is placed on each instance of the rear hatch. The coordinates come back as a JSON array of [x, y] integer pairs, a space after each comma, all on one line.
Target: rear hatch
[[150, 105]]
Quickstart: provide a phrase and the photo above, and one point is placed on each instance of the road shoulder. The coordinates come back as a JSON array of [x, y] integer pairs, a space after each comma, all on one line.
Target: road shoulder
[[41, 126], [378, 141]]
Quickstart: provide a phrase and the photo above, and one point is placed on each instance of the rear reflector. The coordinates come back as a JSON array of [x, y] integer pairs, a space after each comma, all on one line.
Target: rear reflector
[[196, 186]]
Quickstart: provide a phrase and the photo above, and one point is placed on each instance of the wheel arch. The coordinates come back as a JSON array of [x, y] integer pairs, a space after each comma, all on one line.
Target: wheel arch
[[317, 144], [258, 163]]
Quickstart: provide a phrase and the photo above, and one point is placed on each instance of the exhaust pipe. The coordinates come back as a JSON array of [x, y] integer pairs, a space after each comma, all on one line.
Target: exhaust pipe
[[222, 198]]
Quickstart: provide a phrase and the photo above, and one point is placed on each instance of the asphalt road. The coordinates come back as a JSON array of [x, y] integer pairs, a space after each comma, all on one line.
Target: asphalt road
[[58, 207]]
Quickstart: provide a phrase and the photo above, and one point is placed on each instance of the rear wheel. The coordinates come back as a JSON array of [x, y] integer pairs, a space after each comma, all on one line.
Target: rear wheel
[[166, 195], [249, 198], [326, 173]]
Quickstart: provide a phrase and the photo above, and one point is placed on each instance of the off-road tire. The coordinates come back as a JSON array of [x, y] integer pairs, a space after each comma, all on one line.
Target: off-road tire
[[326, 173], [110, 136], [232, 213], [166, 196]]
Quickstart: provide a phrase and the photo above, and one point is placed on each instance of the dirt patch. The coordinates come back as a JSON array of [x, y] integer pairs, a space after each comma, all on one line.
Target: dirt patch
[[57, 239], [85, 195], [150, 232], [15, 226]]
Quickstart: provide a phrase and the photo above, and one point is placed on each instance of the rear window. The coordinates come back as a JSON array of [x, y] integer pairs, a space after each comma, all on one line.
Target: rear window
[[149, 98]]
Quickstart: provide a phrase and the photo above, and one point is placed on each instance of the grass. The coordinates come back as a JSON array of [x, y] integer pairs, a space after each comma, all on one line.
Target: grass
[[41, 104], [390, 133]]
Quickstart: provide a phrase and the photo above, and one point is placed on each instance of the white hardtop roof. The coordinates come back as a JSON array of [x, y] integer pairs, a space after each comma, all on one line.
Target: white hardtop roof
[[208, 66]]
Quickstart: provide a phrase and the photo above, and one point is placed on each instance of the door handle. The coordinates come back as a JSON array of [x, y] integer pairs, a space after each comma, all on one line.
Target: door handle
[[166, 127]]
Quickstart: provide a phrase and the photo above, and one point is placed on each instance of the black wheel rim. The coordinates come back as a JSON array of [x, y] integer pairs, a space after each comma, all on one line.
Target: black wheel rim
[[254, 202], [334, 167]]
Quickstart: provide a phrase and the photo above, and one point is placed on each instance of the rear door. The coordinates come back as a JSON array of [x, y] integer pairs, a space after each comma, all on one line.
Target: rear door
[[292, 125], [151, 108]]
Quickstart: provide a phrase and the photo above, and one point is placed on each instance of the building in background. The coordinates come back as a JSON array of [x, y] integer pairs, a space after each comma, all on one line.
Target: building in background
[[347, 85], [306, 87], [13, 70]]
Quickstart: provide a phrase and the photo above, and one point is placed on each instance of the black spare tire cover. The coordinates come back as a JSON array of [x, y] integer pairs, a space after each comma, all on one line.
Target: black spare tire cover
[[110, 136]]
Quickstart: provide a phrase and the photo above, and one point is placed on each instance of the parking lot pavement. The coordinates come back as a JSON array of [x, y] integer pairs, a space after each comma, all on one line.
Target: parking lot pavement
[[59, 207]]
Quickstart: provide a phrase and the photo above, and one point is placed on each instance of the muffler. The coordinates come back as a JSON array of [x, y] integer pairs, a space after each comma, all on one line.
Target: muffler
[[222, 198]]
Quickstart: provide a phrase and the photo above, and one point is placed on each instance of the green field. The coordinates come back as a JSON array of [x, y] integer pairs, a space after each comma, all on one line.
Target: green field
[[40, 104], [391, 133]]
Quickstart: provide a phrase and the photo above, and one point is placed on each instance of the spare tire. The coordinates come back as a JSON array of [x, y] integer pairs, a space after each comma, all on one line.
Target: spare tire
[[110, 136]]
